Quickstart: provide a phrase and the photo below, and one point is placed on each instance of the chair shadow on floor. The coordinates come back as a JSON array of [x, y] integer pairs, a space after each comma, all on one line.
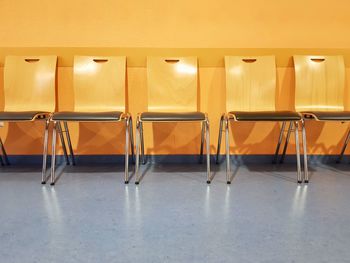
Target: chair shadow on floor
[[193, 171], [341, 168], [91, 168], [286, 171]]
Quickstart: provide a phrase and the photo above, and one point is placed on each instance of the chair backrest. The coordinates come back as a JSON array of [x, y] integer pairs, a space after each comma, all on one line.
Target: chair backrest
[[99, 83], [29, 83], [319, 83], [172, 84], [250, 83]]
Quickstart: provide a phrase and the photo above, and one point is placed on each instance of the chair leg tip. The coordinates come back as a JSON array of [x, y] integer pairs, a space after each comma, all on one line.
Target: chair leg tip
[[137, 183], [52, 183], [299, 182], [228, 182], [306, 181], [43, 182], [208, 181]]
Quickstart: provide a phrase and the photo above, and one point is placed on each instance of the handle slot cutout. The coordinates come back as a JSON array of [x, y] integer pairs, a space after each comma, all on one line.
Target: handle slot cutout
[[100, 60], [249, 60], [173, 61], [31, 60], [317, 60]]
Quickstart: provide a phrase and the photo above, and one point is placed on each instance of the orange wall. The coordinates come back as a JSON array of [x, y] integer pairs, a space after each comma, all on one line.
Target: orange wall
[[175, 24], [181, 23]]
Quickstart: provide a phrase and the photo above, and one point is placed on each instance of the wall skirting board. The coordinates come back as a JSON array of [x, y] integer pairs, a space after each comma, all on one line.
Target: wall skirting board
[[174, 159]]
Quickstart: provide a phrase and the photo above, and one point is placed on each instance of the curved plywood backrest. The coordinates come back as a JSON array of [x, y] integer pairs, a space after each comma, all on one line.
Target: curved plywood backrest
[[172, 84], [29, 83], [319, 83], [99, 83], [250, 83]]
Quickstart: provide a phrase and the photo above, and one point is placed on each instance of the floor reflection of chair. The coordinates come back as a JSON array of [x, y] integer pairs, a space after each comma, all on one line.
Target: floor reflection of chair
[[29, 94], [99, 96], [172, 97], [250, 96]]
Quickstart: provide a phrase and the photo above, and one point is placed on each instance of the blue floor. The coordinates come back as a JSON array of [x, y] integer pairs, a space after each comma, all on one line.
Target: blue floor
[[173, 216]]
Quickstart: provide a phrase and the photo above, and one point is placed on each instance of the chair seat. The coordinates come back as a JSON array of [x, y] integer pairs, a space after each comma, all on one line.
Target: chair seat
[[20, 116], [87, 116], [328, 115], [172, 116], [266, 116]]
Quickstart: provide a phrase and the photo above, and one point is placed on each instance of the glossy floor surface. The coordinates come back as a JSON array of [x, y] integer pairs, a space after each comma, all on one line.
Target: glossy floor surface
[[173, 216]]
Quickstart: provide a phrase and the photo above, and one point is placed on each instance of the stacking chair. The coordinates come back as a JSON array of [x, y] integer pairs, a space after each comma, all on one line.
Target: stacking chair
[[250, 96], [29, 93], [172, 97], [319, 93], [99, 96]]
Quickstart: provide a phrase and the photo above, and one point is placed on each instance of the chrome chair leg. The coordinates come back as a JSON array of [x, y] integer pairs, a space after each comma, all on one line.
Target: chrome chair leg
[[207, 142], [290, 128], [306, 169], [46, 141], [64, 148], [53, 158], [131, 136], [143, 158], [222, 119], [202, 142], [137, 166], [127, 130], [2, 162], [227, 149], [69, 142], [340, 157], [279, 142], [4, 154], [296, 132]]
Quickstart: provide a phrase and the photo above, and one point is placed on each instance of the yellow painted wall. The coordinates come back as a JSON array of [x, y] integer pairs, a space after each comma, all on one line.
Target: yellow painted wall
[[307, 25], [181, 23]]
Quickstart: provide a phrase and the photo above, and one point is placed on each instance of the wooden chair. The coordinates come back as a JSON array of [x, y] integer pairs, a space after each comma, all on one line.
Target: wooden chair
[[250, 96], [319, 90], [172, 97], [99, 96], [29, 93]]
